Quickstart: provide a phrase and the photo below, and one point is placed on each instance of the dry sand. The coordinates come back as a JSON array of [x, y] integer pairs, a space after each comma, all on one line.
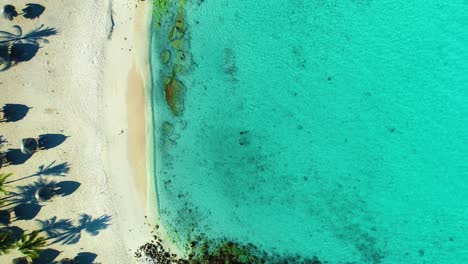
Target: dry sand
[[89, 85]]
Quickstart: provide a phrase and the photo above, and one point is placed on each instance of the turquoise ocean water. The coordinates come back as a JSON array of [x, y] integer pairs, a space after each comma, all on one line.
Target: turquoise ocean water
[[336, 129]]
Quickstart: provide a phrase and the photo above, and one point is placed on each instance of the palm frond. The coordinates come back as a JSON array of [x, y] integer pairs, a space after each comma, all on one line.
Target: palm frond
[[5, 243], [3, 178], [31, 245]]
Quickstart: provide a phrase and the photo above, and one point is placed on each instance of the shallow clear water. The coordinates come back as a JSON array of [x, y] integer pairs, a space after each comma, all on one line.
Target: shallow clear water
[[336, 129]]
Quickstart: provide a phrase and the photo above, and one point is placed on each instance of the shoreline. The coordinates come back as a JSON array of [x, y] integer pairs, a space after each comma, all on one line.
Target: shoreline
[[141, 148], [126, 83]]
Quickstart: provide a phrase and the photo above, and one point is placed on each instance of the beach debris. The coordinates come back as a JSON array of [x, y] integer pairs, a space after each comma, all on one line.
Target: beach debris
[[29, 145], [9, 12], [33, 11], [166, 56]]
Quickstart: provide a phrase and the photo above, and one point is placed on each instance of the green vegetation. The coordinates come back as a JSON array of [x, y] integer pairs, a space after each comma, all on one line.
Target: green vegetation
[[31, 245], [3, 178], [5, 243]]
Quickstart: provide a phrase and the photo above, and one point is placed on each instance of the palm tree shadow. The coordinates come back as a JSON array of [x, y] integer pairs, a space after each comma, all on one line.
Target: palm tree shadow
[[64, 232], [26, 211], [65, 188], [5, 61], [48, 141], [27, 194], [46, 256], [54, 170], [14, 112], [16, 47], [16, 157], [50, 170], [33, 11], [85, 258], [2, 140], [39, 34], [15, 232], [21, 52]]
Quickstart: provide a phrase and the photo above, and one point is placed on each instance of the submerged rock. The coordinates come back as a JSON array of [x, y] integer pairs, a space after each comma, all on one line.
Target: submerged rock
[[174, 93], [167, 129], [166, 56]]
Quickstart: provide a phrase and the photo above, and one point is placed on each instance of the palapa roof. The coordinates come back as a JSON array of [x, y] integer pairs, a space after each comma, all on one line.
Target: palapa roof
[[29, 145], [9, 12]]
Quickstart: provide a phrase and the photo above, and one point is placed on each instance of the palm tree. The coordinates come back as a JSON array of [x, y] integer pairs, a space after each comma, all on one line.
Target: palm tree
[[5, 243], [3, 178], [31, 245]]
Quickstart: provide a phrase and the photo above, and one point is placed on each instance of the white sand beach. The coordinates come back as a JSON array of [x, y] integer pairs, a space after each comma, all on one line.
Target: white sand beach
[[87, 83]]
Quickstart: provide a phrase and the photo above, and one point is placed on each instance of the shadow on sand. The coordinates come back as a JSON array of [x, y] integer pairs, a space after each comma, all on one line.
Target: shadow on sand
[[16, 47], [2, 140], [47, 256], [48, 141], [15, 232], [65, 188], [43, 190], [33, 11], [85, 258], [14, 112], [16, 157], [59, 170], [21, 52], [64, 232], [54, 170], [26, 211]]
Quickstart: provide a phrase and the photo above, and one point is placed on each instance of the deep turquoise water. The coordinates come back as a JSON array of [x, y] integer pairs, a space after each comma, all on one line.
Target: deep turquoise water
[[336, 129]]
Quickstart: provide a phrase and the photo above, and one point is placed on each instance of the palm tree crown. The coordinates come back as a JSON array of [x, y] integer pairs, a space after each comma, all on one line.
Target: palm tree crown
[[5, 243], [31, 245], [3, 178]]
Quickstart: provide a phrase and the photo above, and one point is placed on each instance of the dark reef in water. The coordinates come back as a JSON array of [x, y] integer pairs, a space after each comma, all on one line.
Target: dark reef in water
[[174, 56], [222, 252]]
